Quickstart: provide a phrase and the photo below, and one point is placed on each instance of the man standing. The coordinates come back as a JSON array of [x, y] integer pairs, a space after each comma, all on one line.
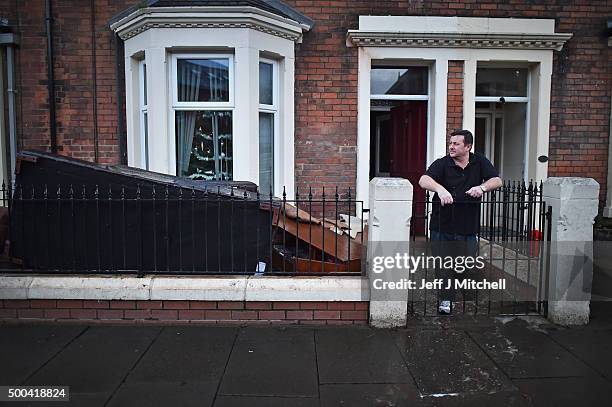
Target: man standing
[[459, 180]]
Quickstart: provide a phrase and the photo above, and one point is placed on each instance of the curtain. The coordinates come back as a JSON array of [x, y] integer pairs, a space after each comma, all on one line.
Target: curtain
[[266, 152], [189, 86]]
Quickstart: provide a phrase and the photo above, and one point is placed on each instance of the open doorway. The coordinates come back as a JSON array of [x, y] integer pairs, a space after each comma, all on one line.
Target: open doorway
[[501, 122], [398, 147], [500, 136], [398, 126]]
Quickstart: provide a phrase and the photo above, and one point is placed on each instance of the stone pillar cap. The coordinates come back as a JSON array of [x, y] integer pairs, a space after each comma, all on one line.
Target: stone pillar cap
[[571, 188], [390, 189]]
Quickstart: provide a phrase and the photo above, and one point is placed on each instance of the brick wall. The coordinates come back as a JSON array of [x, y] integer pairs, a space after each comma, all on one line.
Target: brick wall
[[218, 312], [326, 81], [454, 110], [74, 50]]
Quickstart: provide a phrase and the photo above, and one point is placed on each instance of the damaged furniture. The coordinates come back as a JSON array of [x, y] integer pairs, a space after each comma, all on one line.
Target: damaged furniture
[[68, 215]]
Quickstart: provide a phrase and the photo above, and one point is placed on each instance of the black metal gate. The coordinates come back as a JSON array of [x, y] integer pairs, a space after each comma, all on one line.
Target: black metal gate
[[513, 243]]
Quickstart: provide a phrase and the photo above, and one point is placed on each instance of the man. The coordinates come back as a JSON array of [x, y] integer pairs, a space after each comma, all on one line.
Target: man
[[459, 180]]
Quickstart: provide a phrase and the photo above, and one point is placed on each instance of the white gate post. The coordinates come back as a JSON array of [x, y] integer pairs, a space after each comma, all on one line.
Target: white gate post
[[388, 234], [574, 204]]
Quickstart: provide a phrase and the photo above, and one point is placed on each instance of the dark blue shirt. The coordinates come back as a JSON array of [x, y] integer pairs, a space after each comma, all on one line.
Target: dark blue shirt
[[463, 216]]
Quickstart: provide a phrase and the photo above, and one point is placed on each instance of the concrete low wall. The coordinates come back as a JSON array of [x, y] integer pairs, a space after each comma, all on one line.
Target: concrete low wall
[[181, 299], [199, 288]]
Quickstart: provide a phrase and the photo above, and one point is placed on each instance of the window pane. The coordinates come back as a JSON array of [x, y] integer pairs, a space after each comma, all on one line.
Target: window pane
[[508, 82], [204, 144], [203, 80], [398, 81], [145, 123], [266, 152], [266, 84], [144, 84]]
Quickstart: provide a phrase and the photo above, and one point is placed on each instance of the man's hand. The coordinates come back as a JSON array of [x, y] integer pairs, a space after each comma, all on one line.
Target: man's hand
[[445, 197], [474, 192]]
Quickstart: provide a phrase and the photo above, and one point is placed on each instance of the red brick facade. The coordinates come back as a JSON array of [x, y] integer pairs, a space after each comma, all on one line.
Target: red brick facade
[[325, 86], [215, 312], [454, 98]]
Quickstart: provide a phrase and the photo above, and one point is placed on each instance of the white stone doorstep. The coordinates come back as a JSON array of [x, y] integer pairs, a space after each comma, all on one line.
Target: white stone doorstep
[[201, 288]]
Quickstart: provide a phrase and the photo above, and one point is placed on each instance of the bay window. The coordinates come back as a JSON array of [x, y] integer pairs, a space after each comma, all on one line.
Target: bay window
[[220, 91]]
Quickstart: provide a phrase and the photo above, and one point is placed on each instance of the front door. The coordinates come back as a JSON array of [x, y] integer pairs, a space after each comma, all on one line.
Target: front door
[[408, 154]]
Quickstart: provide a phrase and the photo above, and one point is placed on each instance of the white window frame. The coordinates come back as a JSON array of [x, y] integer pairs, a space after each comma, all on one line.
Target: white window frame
[[274, 109], [176, 106], [382, 64], [144, 110], [201, 105]]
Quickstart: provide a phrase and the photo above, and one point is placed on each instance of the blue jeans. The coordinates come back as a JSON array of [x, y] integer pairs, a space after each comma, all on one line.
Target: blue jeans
[[454, 245]]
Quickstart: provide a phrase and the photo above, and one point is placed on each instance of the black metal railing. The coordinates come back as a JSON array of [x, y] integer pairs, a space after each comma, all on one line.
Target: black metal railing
[[513, 231], [177, 230]]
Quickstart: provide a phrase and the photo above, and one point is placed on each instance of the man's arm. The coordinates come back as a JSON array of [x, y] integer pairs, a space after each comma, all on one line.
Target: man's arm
[[428, 183], [489, 185], [493, 183]]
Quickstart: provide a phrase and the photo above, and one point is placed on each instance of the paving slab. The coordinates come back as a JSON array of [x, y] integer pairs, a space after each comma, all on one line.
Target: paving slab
[[523, 352], [567, 391], [98, 360], [272, 362], [183, 366], [164, 394], [369, 356], [25, 348], [593, 346], [448, 362], [368, 395], [189, 354], [251, 401]]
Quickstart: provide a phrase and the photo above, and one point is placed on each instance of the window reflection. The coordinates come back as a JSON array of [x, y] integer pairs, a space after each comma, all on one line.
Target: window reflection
[[204, 144], [398, 81], [508, 82], [203, 80]]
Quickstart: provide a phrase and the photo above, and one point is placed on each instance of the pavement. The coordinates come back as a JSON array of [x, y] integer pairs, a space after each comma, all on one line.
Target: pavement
[[436, 361]]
